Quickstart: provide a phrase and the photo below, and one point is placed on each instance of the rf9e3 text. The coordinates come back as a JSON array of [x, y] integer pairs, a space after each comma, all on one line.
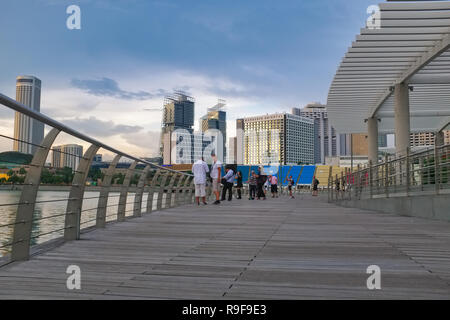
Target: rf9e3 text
[[246, 309]]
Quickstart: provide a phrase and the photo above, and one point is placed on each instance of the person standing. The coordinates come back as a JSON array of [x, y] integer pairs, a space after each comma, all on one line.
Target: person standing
[[273, 186], [261, 179], [290, 185], [228, 184], [315, 186], [239, 184], [252, 185], [216, 172], [200, 169]]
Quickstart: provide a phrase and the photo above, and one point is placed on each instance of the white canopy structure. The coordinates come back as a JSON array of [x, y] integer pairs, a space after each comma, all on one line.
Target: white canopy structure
[[396, 78]]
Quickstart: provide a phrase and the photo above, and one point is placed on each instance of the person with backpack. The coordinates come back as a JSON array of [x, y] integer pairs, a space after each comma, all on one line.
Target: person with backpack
[[228, 181], [239, 185], [252, 184], [315, 186], [290, 185], [261, 179]]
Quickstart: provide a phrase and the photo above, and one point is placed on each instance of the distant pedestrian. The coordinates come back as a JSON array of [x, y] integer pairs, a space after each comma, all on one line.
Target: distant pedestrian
[[216, 171], [200, 169], [266, 185], [290, 185], [261, 179], [228, 181], [239, 184], [252, 183], [315, 186], [273, 185]]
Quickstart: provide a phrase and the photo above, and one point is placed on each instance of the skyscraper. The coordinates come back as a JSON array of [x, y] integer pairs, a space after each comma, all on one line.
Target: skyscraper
[[216, 118], [178, 113], [278, 138], [67, 155], [27, 131]]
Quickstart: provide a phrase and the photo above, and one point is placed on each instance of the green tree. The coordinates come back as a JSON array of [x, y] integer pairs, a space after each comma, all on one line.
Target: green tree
[[46, 176], [14, 179], [22, 171], [66, 175], [10, 173]]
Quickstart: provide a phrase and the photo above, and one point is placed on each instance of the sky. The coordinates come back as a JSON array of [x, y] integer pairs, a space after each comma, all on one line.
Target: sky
[[109, 78]]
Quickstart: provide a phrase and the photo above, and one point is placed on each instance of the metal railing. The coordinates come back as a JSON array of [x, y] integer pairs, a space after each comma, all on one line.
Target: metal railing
[[155, 188], [425, 172]]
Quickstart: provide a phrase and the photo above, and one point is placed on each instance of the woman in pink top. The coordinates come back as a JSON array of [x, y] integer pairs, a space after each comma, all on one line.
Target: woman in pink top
[[274, 186]]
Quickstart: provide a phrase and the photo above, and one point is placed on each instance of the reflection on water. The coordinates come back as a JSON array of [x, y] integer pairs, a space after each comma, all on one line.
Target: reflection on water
[[48, 217]]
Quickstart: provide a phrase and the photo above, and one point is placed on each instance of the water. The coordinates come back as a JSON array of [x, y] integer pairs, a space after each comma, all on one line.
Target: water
[[52, 225]]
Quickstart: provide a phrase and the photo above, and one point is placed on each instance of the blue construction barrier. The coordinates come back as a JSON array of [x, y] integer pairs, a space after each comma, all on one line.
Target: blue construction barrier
[[307, 175]]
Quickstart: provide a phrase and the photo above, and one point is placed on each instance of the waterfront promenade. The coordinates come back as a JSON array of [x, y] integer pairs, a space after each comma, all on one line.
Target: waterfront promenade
[[303, 248]]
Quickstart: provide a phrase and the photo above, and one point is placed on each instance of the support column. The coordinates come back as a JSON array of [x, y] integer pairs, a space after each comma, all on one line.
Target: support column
[[23, 224], [402, 118], [372, 130], [439, 138]]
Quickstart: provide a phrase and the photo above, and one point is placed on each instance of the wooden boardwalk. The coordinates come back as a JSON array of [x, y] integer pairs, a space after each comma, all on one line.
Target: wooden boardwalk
[[301, 248]]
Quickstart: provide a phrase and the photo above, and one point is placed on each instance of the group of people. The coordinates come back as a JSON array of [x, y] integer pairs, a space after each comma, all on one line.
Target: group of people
[[259, 183]]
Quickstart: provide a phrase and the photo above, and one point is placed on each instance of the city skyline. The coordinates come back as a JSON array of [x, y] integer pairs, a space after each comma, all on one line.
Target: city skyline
[[86, 88]]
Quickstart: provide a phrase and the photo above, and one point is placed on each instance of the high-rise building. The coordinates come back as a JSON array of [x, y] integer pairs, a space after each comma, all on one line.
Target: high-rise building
[[28, 132], [232, 150], [240, 141], [184, 147], [68, 155], [216, 118], [178, 113], [329, 143], [278, 138]]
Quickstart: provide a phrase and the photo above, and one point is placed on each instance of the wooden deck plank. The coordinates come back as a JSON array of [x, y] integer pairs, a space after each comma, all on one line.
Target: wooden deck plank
[[301, 248]]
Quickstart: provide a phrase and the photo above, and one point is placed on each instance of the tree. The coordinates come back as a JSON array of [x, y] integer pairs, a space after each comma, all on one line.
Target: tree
[[22, 171], [10, 173], [46, 176], [14, 179], [66, 174]]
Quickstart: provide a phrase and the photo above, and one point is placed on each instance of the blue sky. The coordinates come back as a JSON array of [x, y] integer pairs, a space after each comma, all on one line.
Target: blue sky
[[260, 56]]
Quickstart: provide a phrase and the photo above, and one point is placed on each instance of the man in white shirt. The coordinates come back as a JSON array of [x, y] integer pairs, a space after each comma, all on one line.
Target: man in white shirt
[[216, 171], [200, 169]]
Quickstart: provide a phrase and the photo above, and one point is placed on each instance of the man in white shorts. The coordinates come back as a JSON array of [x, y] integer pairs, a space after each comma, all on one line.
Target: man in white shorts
[[216, 171], [200, 169]]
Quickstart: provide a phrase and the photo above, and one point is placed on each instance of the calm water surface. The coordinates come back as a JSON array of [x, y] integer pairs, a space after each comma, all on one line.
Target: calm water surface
[[53, 213]]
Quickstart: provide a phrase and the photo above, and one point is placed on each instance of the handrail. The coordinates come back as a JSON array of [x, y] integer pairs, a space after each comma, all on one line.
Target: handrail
[[22, 224]]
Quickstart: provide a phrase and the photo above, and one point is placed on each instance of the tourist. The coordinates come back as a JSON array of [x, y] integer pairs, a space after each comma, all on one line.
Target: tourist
[[273, 186], [290, 185], [239, 184], [216, 171], [200, 169], [252, 183], [228, 181], [261, 179], [266, 185], [315, 186]]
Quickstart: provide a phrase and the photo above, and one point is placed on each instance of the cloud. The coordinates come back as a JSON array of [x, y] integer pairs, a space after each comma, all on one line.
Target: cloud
[[149, 141], [98, 128], [110, 88]]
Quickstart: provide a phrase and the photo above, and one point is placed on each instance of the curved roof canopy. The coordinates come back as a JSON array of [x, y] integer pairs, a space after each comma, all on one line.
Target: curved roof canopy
[[411, 46]]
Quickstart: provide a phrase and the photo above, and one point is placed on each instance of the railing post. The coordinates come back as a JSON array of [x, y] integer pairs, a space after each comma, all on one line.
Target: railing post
[[342, 185], [137, 209], [20, 249], [437, 180], [370, 180], [170, 190], [330, 199], [151, 191], [124, 192], [386, 176], [180, 190], [73, 213], [161, 190], [187, 190], [104, 193], [408, 172], [358, 182]]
